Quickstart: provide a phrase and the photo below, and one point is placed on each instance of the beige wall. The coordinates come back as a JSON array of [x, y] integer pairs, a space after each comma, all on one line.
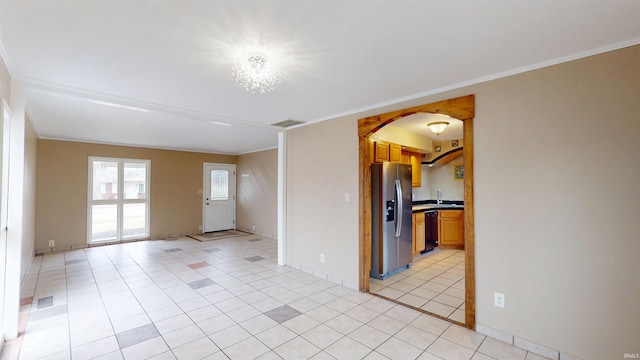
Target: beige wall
[[257, 205], [556, 226], [396, 135], [445, 146], [29, 198], [176, 179], [322, 165], [440, 177]]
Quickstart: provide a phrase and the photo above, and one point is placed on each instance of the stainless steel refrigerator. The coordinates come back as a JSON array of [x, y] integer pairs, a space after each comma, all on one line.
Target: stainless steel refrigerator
[[391, 247]]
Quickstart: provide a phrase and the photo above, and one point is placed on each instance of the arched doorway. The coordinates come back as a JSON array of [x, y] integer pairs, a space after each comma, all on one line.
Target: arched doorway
[[462, 108]]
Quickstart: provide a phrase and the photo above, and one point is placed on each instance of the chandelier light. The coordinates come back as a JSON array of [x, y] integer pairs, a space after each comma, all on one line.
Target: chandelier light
[[438, 126], [258, 71]]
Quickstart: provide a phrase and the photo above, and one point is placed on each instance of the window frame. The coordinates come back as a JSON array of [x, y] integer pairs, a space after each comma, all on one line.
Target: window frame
[[120, 201]]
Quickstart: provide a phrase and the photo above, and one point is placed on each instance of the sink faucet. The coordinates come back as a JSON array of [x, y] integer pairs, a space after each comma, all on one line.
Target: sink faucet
[[439, 196]]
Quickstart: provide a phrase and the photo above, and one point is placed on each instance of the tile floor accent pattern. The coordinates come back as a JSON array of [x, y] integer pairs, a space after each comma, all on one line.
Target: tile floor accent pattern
[[434, 283], [139, 301]]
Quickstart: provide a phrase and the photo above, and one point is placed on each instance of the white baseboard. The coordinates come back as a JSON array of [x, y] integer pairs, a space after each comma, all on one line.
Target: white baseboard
[[524, 344], [319, 274]]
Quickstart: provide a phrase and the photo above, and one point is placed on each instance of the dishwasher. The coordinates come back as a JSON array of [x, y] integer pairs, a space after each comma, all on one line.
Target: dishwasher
[[430, 230]]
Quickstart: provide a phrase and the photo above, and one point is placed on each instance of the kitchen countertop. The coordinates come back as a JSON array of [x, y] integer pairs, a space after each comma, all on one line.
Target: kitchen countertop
[[425, 207]]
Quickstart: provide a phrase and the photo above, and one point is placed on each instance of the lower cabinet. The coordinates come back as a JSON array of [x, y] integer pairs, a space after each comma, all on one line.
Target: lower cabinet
[[418, 232], [451, 228]]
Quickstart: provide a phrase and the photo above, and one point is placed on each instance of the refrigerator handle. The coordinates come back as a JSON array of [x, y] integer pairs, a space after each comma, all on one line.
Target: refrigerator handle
[[399, 208]]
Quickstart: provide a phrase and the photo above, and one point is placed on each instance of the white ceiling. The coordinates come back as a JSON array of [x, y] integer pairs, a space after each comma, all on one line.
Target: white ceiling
[[170, 58], [417, 123]]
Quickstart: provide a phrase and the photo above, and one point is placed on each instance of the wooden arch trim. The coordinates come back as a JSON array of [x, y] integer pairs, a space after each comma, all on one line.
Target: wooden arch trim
[[462, 108]]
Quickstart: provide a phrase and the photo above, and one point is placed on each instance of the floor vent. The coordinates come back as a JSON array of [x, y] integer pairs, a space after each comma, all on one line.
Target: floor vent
[[287, 123]]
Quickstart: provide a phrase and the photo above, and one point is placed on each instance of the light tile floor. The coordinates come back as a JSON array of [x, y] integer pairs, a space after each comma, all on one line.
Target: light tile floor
[[434, 283], [223, 299]]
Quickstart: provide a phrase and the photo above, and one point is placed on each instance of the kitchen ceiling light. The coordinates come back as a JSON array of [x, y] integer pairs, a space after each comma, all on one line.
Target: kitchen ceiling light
[[258, 71], [438, 126]]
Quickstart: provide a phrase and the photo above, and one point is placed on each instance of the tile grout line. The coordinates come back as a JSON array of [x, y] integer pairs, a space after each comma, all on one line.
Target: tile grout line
[[439, 293], [95, 281], [140, 266], [185, 312], [16, 344], [137, 301]]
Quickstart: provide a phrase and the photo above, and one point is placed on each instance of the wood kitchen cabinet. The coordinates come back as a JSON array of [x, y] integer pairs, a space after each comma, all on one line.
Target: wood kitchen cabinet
[[406, 157], [415, 160], [418, 232], [451, 228], [416, 170], [395, 153], [383, 151], [380, 151]]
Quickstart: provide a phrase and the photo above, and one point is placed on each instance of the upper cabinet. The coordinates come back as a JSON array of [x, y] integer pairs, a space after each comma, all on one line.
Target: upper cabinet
[[383, 151], [416, 169], [380, 151], [395, 153], [406, 157]]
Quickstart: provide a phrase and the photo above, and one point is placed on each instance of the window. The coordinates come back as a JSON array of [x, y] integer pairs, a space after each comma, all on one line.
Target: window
[[115, 214], [219, 185]]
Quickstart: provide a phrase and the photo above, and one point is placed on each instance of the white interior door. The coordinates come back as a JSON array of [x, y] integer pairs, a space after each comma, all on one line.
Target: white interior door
[[219, 200], [4, 192]]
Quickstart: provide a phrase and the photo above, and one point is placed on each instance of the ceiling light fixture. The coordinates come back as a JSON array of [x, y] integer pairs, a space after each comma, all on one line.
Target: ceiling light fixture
[[258, 69], [438, 126]]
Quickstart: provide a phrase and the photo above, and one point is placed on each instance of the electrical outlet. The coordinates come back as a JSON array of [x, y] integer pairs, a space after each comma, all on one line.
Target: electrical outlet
[[254, 228], [52, 243], [498, 299], [346, 197], [321, 258], [200, 227]]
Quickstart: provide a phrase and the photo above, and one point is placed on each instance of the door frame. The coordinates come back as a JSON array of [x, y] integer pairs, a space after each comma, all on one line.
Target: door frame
[[462, 108], [5, 134], [204, 193], [120, 201]]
